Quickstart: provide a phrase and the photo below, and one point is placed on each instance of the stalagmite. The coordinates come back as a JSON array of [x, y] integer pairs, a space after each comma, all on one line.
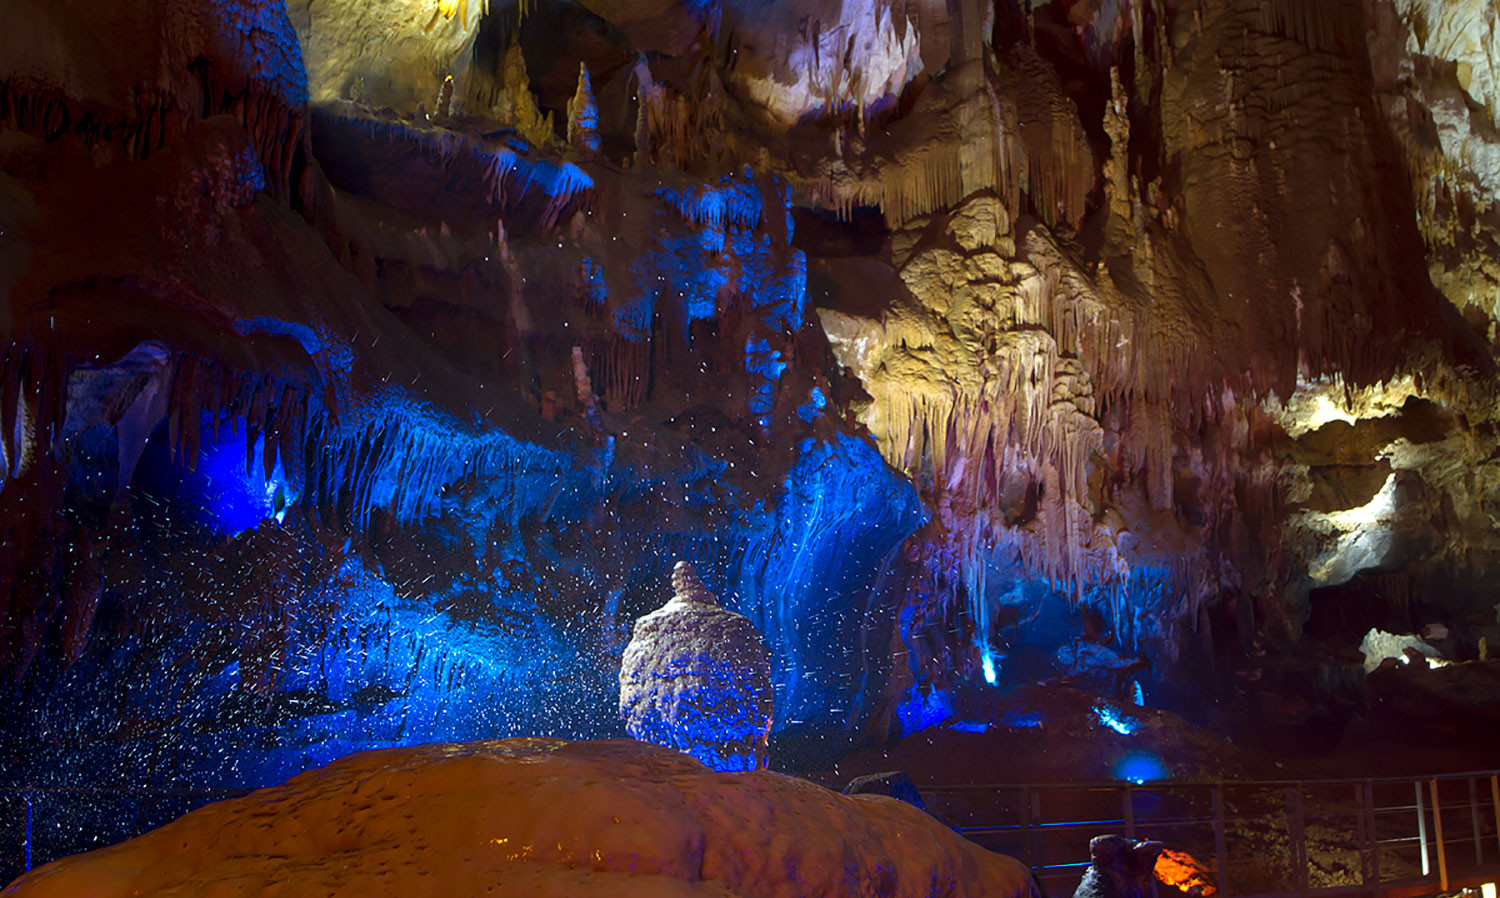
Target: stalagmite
[[583, 115], [516, 104], [585, 388], [696, 677]]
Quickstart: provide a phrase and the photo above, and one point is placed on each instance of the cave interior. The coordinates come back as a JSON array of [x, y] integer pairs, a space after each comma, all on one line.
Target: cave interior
[[1065, 390]]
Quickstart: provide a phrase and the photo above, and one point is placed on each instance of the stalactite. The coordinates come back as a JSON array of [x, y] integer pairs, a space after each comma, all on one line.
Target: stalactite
[[1318, 24], [734, 202], [156, 117], [623, 367]]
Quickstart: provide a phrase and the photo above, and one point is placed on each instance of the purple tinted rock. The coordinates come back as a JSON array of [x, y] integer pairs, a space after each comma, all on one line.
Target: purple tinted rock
[[1121, 868], [697, 677]]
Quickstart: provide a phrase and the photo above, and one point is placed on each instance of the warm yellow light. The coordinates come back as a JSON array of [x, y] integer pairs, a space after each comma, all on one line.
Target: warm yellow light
[[1487, 890], [448, 8], [1182, 870]]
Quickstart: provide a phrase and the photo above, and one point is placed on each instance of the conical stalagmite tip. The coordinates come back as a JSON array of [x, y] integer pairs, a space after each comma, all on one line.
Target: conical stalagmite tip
[[687, 586]]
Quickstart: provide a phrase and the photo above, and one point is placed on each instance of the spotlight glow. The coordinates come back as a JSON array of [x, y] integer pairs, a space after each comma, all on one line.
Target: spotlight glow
[[1140, 768]]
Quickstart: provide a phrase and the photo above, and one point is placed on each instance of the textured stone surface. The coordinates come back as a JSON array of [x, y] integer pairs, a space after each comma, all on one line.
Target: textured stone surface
[[967, 343], [696, 677], [1119, 868], [541, 817]]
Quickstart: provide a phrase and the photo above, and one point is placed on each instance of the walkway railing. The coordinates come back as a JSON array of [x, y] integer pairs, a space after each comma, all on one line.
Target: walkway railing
[[1383, 836]]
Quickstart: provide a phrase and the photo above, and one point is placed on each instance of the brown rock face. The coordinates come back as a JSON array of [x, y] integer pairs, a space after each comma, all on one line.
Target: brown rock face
[[527, 817]]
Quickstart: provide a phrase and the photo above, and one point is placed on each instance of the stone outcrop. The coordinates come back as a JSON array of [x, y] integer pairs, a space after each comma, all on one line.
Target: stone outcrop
[[1119, 868], [529, 817], [696, 677]]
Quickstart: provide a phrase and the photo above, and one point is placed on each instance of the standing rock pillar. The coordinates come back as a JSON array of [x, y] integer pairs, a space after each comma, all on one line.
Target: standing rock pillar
[[697, 677]]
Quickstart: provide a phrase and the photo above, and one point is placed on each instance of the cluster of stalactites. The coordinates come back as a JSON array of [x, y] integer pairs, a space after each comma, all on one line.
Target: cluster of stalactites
[[156, 117], [460, 8], [349, 462], [990, 392], [506, 178], [673, 129]]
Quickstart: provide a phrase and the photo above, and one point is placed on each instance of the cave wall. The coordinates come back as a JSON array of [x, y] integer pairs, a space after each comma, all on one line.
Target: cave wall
[[365, 371]]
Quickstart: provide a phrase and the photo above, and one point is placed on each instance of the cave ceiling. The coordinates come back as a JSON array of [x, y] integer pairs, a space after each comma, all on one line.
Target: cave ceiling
[[367, 365]]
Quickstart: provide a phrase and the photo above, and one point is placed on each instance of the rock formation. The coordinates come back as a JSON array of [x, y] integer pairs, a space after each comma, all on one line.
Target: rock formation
[[696, 677], [361, 365], [1119, 868], [526, 817]]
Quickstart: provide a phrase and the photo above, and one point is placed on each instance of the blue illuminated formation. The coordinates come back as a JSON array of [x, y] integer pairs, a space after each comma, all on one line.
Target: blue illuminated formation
[[813, 407], [987, 660], [267, 45], [765, 364], [227, 491], [924, 708], [733, 202], [807, 575], [1112, 718], [969, 726], [1032, 720], [238, 498]]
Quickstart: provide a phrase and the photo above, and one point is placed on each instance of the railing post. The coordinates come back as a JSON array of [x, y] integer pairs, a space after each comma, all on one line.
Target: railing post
[[1024, 812], [1495, 803], [1437, 828], [1374, 833], [26, 833], [1422, 829], [1297, 838], [1127, 807], [1221, 854], [1036, 829], [1361, 834], [1474, 823]]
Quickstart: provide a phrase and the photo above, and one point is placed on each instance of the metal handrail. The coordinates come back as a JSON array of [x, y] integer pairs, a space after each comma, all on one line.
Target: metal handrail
[[1373, 826], [1116, 785]]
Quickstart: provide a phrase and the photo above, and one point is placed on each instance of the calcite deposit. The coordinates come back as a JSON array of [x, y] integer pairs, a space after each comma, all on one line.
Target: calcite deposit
[[364, 364], [541, 817], [696, 677]]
